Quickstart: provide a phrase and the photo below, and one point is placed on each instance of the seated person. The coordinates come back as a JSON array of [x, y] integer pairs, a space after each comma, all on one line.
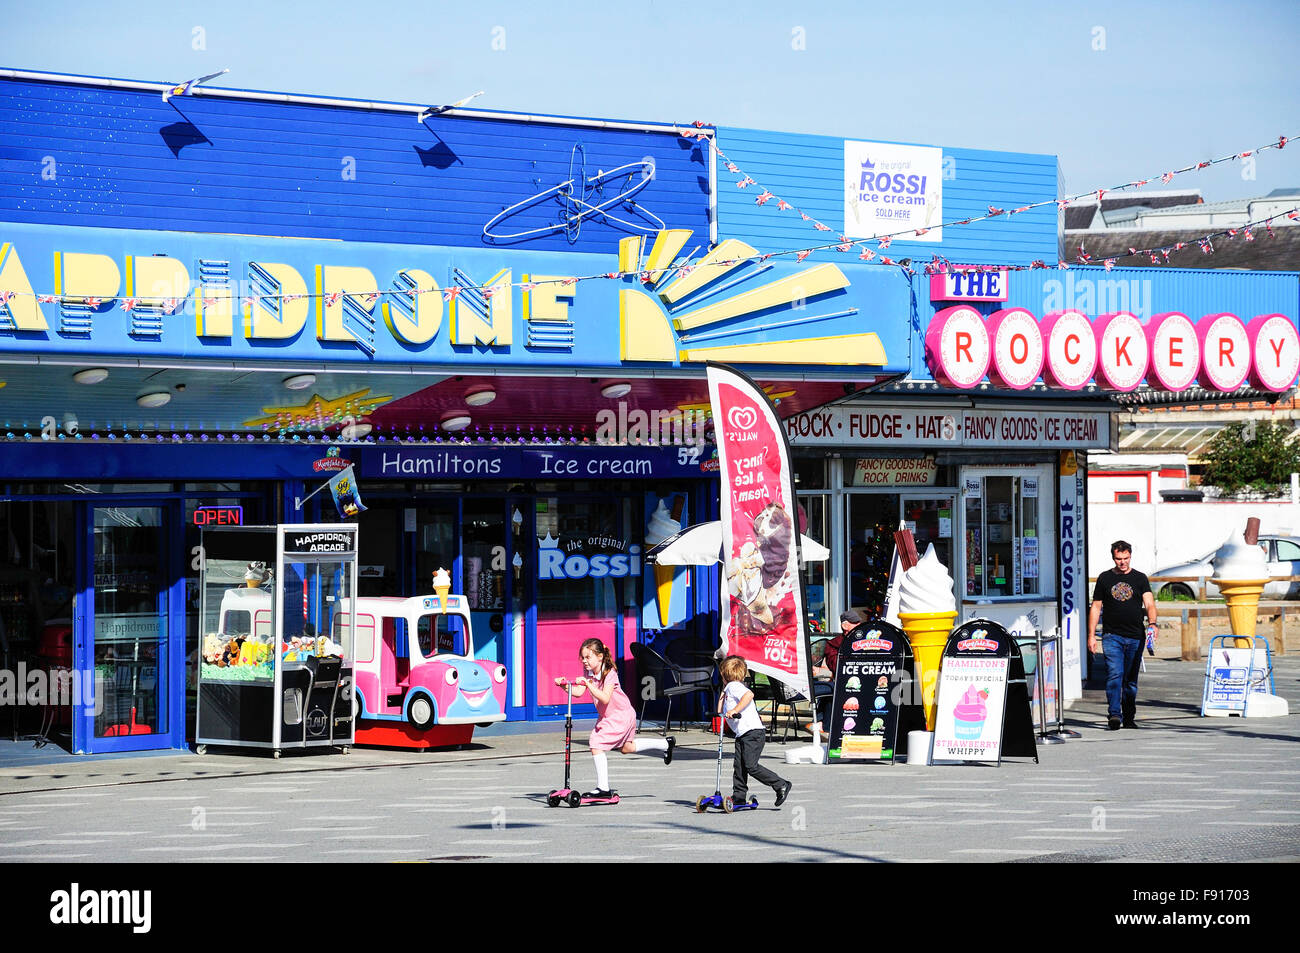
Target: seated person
[[824, 674]]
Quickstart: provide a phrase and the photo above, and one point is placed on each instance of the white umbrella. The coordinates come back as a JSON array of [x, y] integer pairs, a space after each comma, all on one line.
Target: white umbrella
[[701, 545]]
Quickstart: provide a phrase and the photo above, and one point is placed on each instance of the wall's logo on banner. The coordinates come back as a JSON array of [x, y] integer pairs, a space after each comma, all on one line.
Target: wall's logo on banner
[[890, 189], [742, 418]]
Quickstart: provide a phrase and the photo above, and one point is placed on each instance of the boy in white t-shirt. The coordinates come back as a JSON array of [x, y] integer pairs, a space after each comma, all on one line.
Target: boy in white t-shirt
[[737, 704]]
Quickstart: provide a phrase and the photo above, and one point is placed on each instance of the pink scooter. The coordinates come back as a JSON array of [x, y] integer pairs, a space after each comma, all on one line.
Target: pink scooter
[[567, 794]]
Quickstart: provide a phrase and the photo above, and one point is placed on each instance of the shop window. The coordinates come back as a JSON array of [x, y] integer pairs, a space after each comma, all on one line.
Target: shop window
[[809, 473], [583, 557], [484, 536], [814, 522], [1003, 536]]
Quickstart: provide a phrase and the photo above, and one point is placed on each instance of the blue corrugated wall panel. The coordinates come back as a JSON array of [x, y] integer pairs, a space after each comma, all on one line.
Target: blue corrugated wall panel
[[808, 172], [74, 154]]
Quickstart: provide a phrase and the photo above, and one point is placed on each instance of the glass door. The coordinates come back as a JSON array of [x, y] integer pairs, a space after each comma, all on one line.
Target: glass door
[[124, 613], [932, 520]]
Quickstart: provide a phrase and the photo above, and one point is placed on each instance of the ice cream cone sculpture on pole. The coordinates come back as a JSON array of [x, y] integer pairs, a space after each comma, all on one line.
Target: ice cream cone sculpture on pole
[[442, 586], [1241, 572], [662, 526], [928, 610]]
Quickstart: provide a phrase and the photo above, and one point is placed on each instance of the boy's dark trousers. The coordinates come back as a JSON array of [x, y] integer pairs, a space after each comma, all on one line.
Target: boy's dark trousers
[[749, 748]]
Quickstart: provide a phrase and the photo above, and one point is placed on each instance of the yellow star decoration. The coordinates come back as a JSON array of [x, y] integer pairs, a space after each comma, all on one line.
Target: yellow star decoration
[[317, 410]]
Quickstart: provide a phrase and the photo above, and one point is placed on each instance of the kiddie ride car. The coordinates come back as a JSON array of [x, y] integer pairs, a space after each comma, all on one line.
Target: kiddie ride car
[[418, 684]]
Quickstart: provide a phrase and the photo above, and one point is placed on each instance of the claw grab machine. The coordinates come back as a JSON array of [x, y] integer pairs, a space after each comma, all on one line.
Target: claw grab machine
[[275, 662]]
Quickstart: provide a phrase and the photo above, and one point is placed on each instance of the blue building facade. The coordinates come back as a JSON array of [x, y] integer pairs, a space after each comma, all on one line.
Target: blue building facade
[[207, 295]]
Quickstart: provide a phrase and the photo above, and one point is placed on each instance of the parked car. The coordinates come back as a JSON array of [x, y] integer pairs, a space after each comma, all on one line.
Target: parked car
[[1283, 554]]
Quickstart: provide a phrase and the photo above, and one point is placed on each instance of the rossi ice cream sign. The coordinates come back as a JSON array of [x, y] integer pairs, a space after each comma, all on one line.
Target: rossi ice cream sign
[[890, 189]]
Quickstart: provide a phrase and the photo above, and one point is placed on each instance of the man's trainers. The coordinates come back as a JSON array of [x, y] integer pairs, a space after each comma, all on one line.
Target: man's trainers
[[668, 755], [1112, 724], [1130, 723], [782, 793]]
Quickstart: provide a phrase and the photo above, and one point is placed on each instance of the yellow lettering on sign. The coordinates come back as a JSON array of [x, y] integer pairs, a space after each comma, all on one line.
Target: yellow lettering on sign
[[468, 327], [542, 304], [261, 322], [78, 275], [215, 320], [156, 279], [426, 309], [357, 282], [23, 309]]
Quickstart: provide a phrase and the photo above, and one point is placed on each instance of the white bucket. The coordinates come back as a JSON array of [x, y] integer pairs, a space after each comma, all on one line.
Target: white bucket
[[918, 747]]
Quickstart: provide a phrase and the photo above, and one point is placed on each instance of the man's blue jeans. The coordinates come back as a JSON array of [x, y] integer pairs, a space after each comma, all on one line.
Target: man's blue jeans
[[1123, 662]]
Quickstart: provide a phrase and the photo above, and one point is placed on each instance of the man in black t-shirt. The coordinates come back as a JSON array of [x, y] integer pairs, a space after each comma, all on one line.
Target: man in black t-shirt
[[1123, 603]]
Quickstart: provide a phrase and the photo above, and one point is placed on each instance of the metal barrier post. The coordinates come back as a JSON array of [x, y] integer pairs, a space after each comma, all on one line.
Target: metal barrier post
[[1062, 733]]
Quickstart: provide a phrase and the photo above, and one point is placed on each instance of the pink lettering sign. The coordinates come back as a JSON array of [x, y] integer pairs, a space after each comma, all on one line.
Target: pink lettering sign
[[1071, 349], [1017, 348], [1225, 352], [1122, 351], [957, 347], [1275, 352], [1175, 350]]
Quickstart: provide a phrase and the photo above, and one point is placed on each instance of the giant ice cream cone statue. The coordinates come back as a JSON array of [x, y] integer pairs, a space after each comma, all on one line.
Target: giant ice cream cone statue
[[662, 526], [927, 609], [1240, 572]]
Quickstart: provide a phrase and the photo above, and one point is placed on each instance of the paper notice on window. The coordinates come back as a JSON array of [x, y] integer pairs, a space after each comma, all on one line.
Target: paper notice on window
[[1029, 556], [1029, 487]]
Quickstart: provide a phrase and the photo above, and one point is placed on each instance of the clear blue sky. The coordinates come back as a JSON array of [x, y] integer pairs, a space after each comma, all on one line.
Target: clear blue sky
[[1117, 90]]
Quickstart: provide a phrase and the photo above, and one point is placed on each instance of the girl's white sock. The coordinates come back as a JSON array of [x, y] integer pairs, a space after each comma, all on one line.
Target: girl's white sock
[[602, 769], [650, 744]]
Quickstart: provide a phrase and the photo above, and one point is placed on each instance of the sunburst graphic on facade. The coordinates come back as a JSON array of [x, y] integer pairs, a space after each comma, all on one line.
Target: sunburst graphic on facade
[[726, 307], [319, 411]]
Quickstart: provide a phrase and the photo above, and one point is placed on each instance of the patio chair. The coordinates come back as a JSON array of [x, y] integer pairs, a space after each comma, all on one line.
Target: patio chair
[[685, 681]]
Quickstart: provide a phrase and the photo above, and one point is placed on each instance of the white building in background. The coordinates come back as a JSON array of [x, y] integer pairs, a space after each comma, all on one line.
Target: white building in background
[[1134, 477]]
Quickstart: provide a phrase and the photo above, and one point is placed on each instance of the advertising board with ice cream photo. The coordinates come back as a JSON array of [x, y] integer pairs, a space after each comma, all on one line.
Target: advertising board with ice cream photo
[[762, 604]]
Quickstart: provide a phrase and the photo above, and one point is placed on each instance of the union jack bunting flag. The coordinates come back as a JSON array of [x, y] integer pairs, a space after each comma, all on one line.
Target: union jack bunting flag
[[94, 303], [820, 227], [764, 197], [867, 255], [332, 298], [803, 254], [885, 242], [783, 205], [129, 304], [449, 294], [45, 299]]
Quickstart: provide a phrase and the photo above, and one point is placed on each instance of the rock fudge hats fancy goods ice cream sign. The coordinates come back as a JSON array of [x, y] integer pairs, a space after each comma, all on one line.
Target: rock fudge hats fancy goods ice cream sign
[[762, 597]]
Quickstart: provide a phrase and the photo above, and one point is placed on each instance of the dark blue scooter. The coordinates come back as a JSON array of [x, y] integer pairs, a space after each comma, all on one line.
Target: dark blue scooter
[[716, 800]]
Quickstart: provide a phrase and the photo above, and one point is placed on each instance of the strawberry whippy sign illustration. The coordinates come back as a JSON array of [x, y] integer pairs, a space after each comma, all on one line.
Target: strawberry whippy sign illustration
[[762, 598]]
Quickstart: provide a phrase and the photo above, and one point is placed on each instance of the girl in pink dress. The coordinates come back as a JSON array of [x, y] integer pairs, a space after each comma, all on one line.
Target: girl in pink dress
[[616, 726]]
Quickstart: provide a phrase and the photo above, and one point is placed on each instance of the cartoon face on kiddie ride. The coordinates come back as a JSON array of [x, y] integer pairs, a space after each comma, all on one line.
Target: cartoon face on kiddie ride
[[415, 664]]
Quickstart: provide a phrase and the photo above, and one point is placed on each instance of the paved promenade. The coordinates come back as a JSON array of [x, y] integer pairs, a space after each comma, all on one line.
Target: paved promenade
[[1181, 788]]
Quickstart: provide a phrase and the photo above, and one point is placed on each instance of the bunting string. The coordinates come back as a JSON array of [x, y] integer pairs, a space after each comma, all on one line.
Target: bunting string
[[764, 197]]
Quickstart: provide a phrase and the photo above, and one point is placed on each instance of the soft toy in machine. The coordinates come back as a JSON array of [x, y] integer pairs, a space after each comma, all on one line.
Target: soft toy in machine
[[419, 685]]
